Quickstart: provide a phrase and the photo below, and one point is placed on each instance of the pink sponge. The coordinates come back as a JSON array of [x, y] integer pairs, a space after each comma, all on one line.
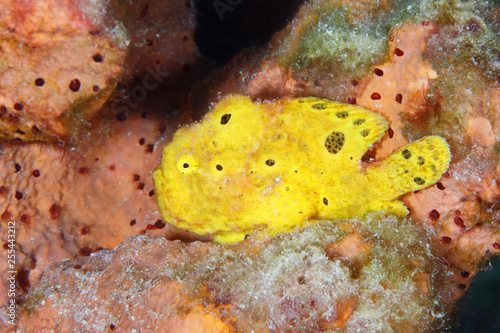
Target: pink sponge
[[60, 62]]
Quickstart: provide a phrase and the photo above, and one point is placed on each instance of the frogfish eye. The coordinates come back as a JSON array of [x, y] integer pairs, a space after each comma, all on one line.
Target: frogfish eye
[[187, 164]]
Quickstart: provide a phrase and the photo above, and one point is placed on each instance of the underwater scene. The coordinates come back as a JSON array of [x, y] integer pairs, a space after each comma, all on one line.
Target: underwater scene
[[250, 166]]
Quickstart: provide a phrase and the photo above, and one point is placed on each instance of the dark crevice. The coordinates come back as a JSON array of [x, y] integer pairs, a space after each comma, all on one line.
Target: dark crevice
[[224, 27]]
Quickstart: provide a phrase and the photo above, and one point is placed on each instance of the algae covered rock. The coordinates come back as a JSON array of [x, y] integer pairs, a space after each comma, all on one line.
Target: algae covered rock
[[429, 67], [373, 273]]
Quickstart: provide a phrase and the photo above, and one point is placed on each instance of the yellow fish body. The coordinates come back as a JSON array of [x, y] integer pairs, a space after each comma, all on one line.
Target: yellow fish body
[[270, 167]]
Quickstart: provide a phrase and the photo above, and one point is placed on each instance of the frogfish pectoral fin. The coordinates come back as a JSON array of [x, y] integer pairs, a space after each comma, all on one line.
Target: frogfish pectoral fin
[[394, 207], [229, 237]]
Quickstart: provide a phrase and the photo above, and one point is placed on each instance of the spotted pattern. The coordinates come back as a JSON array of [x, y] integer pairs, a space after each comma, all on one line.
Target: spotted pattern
[[334, 142], [319, 106], [419, 181], [342, 114], [406, 154]]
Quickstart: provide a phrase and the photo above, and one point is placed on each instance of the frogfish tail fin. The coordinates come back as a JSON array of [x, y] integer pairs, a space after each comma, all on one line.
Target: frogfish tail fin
[[410, 168]]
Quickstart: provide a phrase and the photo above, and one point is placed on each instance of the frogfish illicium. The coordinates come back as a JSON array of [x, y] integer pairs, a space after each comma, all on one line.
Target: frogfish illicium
[[267, 168]]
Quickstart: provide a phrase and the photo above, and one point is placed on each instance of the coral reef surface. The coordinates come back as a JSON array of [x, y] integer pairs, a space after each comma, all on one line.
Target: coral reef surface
[[429, 67], [60, 61], [351, 276]]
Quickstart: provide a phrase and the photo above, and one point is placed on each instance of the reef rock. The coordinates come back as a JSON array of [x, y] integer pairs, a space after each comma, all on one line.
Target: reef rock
[[60, 62], [73, 200], [324, 277], [431, 68]]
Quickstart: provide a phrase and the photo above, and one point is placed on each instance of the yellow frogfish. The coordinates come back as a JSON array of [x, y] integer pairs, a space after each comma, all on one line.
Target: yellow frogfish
[[268, 168]]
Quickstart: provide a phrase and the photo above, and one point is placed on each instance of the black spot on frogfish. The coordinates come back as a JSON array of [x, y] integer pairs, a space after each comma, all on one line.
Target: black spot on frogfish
[[225, 119], [406, 154], [319, 106], [342, 114], [419, 180], [334, 142]]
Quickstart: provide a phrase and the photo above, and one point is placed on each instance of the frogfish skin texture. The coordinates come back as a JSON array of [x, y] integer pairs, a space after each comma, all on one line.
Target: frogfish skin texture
[[267, 168]]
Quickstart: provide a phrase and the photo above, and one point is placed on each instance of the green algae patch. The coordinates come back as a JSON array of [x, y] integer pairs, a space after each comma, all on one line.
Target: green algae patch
[[343, 44], [464, 52], [468, 37], [350, 38]]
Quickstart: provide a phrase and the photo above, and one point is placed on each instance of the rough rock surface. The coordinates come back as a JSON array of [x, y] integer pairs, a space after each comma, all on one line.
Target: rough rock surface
[[324, 277], [438, 75], [60, 61], [95, 189], [67, 202]]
